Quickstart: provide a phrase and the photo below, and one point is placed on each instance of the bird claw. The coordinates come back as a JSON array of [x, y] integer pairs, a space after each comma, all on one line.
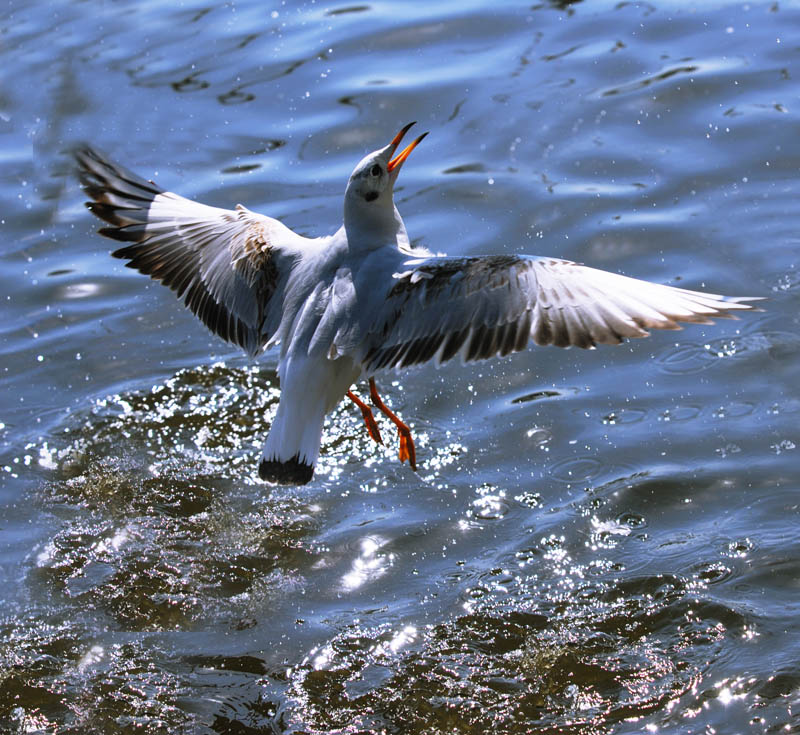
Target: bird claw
[[369, 419], [407, 450], [372, 426]]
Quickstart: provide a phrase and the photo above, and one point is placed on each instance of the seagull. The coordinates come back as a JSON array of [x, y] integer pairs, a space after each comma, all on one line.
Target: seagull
[[348, 306]]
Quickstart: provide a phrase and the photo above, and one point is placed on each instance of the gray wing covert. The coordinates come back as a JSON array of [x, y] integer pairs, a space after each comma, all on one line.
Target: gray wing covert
[[227, 265], [444, 306]]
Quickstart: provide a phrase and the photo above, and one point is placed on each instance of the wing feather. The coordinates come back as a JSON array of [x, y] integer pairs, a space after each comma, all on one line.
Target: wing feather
[[480, 307], [230, 267]]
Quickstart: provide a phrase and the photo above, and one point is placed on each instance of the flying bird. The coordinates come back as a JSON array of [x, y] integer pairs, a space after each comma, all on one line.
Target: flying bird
[[347, 306]]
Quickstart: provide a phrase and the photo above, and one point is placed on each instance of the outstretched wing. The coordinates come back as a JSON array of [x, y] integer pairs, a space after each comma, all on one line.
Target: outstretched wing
[[229, 266], [480, 307]]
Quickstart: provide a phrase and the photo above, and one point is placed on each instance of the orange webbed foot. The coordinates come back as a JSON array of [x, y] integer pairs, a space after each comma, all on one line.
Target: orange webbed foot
[[369, 419], [407, 450]]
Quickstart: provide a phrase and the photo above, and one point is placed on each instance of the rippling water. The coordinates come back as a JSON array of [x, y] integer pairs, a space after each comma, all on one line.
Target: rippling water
[[595, 542]]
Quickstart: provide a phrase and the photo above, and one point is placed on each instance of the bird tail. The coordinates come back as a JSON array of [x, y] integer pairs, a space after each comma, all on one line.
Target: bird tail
[[311, 387], [292, 446]]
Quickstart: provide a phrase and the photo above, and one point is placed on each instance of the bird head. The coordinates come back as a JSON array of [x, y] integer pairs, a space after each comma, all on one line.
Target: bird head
[[368, 201]]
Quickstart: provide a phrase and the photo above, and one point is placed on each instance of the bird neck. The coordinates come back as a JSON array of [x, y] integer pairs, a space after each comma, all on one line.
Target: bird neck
[[368, 228]]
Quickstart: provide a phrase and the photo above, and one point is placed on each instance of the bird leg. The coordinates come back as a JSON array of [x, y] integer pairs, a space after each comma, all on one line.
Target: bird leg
[[407, 450], [369, 419]]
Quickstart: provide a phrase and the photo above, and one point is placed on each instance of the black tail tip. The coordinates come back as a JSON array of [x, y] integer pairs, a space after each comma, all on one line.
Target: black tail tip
[[290, 472]]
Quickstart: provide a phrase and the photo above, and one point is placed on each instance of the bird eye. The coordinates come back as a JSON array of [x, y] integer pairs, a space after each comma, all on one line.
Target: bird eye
[[375, 170]]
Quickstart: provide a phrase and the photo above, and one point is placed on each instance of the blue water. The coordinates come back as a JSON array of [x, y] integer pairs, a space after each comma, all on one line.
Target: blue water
[[596, 542]]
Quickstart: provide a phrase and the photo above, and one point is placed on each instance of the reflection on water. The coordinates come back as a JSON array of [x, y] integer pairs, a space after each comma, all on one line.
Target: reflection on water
[[368, 565], [595, 542], [553, 631], [584, 651]]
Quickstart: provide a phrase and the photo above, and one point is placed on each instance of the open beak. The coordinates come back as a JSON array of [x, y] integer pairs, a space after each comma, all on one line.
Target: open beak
[[397, 161], [397, 138]]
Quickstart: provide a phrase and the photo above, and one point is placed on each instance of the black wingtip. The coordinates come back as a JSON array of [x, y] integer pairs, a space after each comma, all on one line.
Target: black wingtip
[[130, 233], [109, 212]]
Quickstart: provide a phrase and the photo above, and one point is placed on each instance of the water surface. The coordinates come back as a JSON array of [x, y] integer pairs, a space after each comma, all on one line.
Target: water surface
[[596, 542]]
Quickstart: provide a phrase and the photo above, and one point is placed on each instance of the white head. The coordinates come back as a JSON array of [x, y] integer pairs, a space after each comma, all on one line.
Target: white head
[[370, 217]]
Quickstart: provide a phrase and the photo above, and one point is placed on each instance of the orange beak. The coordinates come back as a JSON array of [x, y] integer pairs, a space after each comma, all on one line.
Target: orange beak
[[397, 138], [397, 161]]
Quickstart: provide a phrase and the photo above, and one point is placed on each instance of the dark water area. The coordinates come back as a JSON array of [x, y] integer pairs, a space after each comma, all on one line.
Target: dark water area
[[596, 542]]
